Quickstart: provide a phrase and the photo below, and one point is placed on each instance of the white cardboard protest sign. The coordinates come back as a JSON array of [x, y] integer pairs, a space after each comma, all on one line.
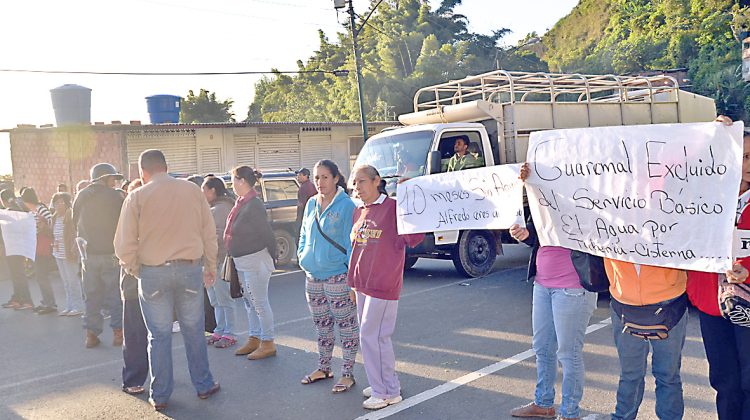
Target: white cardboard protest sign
[[481, 198], [19, 233], [663, 195]]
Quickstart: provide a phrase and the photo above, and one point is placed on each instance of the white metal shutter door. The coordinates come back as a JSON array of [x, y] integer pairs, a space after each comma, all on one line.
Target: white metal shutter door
[[210, 161], [244, 149], [179, 149], [315, 148], [278, 152]]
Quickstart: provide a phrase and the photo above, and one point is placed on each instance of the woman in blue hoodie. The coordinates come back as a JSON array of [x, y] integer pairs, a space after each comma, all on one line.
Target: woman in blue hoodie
[[323, 252]]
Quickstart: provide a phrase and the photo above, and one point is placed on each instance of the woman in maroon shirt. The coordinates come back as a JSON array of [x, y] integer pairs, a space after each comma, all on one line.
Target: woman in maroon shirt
[[376, 273]]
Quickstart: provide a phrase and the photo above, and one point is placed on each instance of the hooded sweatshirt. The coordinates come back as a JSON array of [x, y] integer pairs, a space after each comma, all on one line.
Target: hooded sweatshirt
[[378, 252], [318, 257]]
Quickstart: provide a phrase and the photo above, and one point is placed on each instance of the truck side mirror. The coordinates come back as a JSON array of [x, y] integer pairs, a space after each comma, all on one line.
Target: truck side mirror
[[433, 162]]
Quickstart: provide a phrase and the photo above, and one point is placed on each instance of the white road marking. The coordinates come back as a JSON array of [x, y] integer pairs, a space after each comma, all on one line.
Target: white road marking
[[463, 380]]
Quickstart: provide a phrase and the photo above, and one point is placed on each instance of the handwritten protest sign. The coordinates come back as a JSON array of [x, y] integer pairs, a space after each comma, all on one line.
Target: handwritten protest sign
[[19, 233], [481, 198], [663, 195]]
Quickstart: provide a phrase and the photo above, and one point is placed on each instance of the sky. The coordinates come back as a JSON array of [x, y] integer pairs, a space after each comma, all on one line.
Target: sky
[[184, 36]]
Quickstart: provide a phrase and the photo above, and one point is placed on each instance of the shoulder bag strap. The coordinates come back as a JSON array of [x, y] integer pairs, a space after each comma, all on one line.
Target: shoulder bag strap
[[326, 237]]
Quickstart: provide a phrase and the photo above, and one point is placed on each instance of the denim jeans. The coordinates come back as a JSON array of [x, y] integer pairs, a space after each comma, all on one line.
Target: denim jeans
[[726, 347], [255, 280], [101, 288], [223, 305], [665, 366], [134, 344], [43, 266], [72, 282], [165, 291], [560, 318]]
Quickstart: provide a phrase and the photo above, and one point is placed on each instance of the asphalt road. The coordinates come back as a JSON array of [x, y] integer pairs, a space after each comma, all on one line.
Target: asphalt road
[[463, 351]]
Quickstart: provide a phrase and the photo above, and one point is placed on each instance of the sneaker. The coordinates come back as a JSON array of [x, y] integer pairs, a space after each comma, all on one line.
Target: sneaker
[[63, 313], [74, 312], [225, 342], [373, 403], [44, 310], [176, 327], [11, 304], [106, 315], [367, 392]]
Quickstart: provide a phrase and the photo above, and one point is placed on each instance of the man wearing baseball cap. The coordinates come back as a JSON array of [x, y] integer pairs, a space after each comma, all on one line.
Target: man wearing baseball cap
[[96, 211], [306, 190]]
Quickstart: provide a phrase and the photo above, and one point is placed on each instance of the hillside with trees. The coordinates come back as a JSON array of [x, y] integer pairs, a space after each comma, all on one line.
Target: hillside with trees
[[406, 45], [629, 36]]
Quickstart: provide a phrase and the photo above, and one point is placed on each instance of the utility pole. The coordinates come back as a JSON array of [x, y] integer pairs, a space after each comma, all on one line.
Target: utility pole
[[340, 4], [360, 92]]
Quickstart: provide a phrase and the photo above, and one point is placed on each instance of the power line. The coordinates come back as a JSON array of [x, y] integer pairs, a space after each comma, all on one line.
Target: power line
[[121, 73]]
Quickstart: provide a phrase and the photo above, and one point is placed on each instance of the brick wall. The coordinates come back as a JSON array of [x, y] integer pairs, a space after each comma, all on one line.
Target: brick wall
[[44, 158]]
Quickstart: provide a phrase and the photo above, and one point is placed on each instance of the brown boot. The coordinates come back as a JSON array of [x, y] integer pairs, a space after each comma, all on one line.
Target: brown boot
[[533, 410], [252, 344], [266, 349], [117, 340], [91, 339]]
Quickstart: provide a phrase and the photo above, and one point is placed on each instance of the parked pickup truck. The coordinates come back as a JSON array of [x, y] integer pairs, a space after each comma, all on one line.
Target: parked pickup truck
[[278, 191], [496, 112]]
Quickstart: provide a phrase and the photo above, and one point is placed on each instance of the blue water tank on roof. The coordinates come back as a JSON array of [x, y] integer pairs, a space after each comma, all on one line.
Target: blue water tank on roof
[[163, 109], [72, 104]]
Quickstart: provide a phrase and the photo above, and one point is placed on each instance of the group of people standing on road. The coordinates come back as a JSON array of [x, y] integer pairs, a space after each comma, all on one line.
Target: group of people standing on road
[[562, 308], [144, 256]]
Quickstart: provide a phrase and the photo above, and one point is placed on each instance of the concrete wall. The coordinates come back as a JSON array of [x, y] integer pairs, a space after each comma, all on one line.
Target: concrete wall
[[44, 158]]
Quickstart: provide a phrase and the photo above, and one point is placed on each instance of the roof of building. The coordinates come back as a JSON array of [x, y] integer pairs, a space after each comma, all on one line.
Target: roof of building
[[116, 125]]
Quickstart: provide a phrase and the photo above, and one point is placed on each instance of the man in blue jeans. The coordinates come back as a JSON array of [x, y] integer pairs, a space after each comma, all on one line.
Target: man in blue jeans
[[96, 211], [640, 285], [166, 237]]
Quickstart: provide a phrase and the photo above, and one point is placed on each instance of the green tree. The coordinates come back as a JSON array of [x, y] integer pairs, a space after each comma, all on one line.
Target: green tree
[[205, 108], [404, 46]]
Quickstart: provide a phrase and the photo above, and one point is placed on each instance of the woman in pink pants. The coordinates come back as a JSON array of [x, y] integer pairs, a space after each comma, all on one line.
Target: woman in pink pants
[[376, 274]]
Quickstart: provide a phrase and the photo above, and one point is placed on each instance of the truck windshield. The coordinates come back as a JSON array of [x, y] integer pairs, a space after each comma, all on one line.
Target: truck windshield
[[397, 155]]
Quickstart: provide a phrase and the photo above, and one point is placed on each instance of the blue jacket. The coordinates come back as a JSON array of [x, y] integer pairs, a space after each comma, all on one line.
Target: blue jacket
[[315, 254]]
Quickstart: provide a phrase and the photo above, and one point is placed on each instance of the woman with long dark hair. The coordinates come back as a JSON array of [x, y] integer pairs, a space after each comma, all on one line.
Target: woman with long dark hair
[[66, 254], [43, 261], [221, 203], [249, 240], [323, 253]]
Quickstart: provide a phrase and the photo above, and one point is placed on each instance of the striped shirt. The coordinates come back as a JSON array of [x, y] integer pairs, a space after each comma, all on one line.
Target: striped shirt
[[58, 249], [43, 211]]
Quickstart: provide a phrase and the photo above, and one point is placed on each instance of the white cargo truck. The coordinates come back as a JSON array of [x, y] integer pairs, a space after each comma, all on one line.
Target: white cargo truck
[[497, 111]]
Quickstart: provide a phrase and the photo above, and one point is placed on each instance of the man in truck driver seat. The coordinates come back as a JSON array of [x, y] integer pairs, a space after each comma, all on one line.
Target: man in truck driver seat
[[462, 159]]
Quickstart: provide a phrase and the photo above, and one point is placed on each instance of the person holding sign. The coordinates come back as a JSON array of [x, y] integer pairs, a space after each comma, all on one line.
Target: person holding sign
[[561, 310], [726, 343], [323, 253], [376, 273]]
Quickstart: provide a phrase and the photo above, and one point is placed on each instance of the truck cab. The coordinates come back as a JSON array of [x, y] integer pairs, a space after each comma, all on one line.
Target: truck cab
[[497, 112]]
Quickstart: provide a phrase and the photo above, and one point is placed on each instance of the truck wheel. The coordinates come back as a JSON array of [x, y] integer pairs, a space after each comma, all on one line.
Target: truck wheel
[[409, 262], [284, 246], [474, 254]]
